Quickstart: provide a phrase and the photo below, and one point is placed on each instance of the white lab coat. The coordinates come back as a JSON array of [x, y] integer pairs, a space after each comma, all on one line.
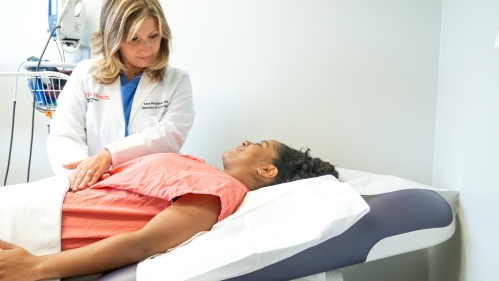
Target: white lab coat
[[90, 117]]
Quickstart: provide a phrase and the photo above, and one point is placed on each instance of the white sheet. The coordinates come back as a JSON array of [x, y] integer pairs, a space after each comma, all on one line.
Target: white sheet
[[301, 214], [30, 214], [368, 184]]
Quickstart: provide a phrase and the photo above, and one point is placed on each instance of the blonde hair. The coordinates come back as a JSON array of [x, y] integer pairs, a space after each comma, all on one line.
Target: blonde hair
[[119, 21]]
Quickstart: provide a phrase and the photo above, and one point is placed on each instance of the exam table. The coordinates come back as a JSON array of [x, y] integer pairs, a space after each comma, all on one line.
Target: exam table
[[404, 216]]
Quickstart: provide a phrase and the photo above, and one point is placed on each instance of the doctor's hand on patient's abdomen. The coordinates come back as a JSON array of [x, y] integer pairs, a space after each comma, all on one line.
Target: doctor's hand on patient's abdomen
[[89, 171]]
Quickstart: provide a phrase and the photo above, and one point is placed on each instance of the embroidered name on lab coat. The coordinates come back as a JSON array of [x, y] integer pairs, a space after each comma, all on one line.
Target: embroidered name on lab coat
[[91, 97], [154, 105]]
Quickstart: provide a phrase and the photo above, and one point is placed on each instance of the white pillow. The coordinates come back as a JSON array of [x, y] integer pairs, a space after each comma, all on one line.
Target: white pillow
[[271, 224]]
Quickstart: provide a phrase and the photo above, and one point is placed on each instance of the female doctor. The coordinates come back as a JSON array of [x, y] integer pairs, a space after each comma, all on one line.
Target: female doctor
[[125, 104]]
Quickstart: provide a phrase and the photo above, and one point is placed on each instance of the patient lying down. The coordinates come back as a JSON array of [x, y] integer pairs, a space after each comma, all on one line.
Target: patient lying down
[[154, 203]]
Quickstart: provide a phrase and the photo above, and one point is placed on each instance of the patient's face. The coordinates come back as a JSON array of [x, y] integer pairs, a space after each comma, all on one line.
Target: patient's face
[[250, 155]]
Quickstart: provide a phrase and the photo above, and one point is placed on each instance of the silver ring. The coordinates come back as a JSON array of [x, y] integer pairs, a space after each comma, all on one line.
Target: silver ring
[[89, 172]]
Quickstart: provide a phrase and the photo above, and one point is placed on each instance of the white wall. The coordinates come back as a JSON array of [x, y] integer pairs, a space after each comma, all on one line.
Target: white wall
[[355, 81], [467, 138]]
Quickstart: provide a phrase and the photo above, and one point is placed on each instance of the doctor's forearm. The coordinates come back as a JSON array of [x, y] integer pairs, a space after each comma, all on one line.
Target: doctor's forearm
[[159, 139]]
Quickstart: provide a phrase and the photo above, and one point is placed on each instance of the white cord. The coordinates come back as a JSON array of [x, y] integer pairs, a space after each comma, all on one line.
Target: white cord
[[57, 32], [17, 77]]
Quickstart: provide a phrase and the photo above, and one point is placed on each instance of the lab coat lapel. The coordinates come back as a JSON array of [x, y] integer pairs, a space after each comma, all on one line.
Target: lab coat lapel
[[113, 90], [144, 88]]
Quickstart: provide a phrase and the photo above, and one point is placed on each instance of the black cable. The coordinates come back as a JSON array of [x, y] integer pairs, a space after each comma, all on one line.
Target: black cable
[[11, 134], [10, 148], [34, 101]]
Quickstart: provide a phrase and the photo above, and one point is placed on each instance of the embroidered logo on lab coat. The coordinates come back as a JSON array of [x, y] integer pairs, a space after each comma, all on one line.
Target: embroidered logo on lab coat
[[154, 105], [91, 97]]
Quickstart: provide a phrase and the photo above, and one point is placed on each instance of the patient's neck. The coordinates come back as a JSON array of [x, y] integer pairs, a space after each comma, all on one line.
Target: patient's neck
[[243, 177]]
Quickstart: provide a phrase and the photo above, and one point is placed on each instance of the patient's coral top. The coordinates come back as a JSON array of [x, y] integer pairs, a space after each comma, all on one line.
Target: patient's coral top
[[137, 191]]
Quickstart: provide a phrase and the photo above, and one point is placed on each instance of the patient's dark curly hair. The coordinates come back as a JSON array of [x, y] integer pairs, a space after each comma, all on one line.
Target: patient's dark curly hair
[[295, 165]]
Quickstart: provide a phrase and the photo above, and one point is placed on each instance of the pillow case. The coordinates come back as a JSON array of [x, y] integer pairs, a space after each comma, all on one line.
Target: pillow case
[[271, 224]]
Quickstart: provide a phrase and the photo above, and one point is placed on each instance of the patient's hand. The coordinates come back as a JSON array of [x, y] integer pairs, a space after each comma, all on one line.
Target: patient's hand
[[89, 171], [16, 263]]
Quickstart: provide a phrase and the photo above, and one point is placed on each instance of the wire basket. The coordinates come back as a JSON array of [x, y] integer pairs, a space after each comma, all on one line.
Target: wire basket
[[46, 85], [45, 90]]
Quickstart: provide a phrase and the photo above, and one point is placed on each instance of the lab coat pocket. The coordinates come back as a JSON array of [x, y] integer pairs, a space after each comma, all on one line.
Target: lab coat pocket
[[147, 122], [100, 134]]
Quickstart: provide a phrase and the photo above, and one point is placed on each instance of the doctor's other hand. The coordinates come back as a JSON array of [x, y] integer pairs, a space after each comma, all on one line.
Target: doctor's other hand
[[89, 171], [16, 263]]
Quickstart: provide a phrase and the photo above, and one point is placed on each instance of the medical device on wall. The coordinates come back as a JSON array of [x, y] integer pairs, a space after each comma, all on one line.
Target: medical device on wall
[[70, 16]]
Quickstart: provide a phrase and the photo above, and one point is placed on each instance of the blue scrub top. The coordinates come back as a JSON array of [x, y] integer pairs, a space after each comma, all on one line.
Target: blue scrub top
[[128, 89]]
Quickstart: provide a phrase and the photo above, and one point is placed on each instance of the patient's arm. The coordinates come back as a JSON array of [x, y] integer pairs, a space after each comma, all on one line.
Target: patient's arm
[[189, 215]]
